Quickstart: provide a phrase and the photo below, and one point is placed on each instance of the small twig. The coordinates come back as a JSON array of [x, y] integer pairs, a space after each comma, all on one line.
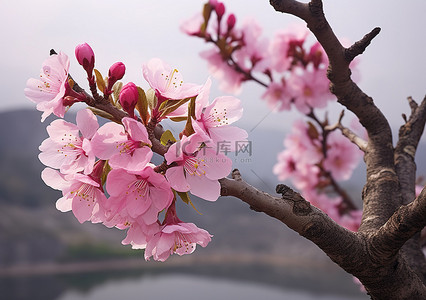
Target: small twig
[[355, 139], [359, 47]]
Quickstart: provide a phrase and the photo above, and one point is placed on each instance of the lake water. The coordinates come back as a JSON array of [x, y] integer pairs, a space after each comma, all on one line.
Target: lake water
[[186, 287]]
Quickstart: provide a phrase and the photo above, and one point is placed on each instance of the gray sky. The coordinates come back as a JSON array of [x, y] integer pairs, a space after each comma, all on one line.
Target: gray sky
[[134, 31]]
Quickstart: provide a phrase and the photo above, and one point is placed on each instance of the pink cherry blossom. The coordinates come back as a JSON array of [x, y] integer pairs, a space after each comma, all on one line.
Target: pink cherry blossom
[[81, 194], [230, 80], [303, 175], [126, 146], [167, 82], [193, 25], [342, 156], [310, 89], [298, 161], [197, 170], [304, 147], [68, 147], [49, 90], [278, 97], [140, 195], [215, 119], [254, 55], [281, 45], [139, 233], [175, 237]]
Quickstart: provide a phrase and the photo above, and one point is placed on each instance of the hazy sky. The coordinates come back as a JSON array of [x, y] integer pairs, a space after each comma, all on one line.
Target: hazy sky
[[131, 31]]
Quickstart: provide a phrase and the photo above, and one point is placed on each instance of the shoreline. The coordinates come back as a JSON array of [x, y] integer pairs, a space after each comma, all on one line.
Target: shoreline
[[265, 260]]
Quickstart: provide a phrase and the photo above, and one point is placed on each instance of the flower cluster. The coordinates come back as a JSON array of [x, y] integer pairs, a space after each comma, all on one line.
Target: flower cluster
[[293, 72], [106, 173], [313, 162]]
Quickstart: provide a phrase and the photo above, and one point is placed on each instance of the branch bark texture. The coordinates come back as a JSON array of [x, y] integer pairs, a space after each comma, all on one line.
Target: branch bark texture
[[385, 253]]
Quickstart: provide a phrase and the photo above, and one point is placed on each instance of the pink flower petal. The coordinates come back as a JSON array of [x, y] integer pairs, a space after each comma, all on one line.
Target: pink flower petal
[[175, 176], [87, 123]]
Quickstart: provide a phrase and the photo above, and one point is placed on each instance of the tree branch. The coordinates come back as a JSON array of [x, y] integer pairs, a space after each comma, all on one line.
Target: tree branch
[[360, 46], [401, 226], [349, 134], [381, 175], [340, 244], [405, 150], [351, 251]]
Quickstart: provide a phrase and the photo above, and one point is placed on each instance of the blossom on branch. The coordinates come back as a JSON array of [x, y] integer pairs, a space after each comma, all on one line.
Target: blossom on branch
[[81, 193], [126, 146], [168, 82], [139, 195], [68, 147], [49, 90], [196, 167], [175, 236]]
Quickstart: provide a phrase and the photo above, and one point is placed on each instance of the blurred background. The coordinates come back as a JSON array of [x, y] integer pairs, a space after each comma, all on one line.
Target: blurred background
[[46, 254]]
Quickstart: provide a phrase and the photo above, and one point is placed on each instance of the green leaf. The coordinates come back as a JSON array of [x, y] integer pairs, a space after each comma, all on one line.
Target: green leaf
[[102, 113], [185, 198], [178, 119], [116, 91], [105, 171], [142, 106], [172, 105], [100, 82], [151, 98], [312, 131], [207, 11], [166, 137]]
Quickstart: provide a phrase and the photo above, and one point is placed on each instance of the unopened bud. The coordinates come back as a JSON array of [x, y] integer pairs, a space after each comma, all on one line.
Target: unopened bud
[[115, 73], [231, 22], [128, 98], [213, 3], [85, 57], [220, 9]]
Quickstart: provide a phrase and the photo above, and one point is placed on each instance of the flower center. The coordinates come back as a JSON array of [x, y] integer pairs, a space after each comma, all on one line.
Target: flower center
[[184, 241], [128, 147], [85, 193], [72, 146], [194, 166], [217, 118], [172, 80], [139, 188]]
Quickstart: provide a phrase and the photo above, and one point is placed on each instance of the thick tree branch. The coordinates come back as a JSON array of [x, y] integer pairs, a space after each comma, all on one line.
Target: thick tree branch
[[341, 245], [402, 225], [405, 150], [353, 252], [381, 175]]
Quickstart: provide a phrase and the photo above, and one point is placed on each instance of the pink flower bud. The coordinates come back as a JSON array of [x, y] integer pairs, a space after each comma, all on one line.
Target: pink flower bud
[[220, 9], [129, 98], [116, 72], [213, 3], [231, 22], [85, 57]]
